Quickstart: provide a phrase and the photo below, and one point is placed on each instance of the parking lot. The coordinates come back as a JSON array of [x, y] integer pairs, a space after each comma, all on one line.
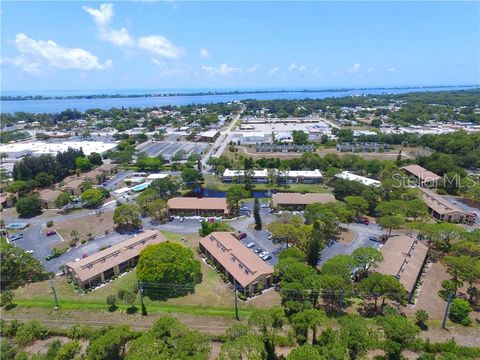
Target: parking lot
[[168, 149]]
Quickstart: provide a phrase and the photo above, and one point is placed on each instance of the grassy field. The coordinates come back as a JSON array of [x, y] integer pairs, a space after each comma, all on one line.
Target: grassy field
[[210, 297], [93, 224]]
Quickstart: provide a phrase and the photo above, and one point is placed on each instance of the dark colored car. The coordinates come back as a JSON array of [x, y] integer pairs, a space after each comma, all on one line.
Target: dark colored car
[[366, 221], [51, 232], [358, 220], [171, 218], [242, 236], [373, 238]]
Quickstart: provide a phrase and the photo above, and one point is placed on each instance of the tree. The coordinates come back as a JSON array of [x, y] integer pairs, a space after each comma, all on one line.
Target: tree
[[68, 351], [95, 158], [166, 187], [29, 206], [299, 137], [315, 245], [391, 222], [459, 311], [356, 335], [158, 210], [306, 351], [306, 320], [169, 269], [109, 344], [421, 317], [357, 204], [235, 193], [128, 295], [44, 180], [463, 268], [192, 177], [74, 235], [127, 217], [91, 197], [292, 252], [62, 200], [245, 347], [6, 297], [268, 322], [112, 301], [256, 215], [339, 265], [366, 257], [399, 329], [383, 286], [207, 227], [83, 164], [416, 208]]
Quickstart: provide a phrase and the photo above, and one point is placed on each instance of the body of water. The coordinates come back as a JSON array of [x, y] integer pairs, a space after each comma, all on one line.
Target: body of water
[[58, 105]]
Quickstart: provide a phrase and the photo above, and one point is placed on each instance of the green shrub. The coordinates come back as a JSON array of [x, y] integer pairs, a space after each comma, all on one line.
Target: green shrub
[[241, 296], [459, 311], [29, 332], [49, 223]]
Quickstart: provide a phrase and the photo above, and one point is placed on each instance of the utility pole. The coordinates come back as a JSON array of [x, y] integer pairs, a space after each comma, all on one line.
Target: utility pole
[[144, 309], [54, 294], [446, 311], [235, 299]]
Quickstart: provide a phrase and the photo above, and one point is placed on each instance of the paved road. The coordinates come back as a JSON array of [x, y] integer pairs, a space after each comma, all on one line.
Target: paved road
[[455, 200], [221, 142], [361, 239]]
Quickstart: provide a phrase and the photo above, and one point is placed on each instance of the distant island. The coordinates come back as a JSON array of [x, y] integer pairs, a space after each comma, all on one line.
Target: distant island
[[210, 93]]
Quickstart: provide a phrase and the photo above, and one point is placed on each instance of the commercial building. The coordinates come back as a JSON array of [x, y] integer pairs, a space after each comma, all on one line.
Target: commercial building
[[48, 198], [346, 175], [36, 148], [243, 268], [282, 177], [192, 206], [284, 148], [258, 176], [298, 201], [209, 136], [422, 176], [362, 147], [253, 138], [443, 210], [104, 265], [404, 258]]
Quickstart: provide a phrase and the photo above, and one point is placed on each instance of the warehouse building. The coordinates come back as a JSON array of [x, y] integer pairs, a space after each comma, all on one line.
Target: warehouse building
[[98, 268], [248, 272], [346, 175], [192, 206]]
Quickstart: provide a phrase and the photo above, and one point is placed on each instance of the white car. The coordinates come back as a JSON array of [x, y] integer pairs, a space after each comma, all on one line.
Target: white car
[[265, 253], [250, 245], [264, 205]]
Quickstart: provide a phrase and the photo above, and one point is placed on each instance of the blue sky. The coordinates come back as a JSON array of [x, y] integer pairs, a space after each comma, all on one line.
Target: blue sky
[[177, 45]]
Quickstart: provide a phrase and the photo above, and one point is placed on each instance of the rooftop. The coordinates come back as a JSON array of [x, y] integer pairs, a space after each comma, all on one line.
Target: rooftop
[[95, 264], [236, 258], [49, 195], [438, 203], [361, 179], [256, 173], [403, 256], [301, 199], [421, 173], [189, 203], [209, 133]]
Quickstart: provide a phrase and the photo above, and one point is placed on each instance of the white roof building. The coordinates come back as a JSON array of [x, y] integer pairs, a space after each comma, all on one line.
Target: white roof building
[[156, 176], [235, 173], [304, 173], [361, 179], [36, 148]]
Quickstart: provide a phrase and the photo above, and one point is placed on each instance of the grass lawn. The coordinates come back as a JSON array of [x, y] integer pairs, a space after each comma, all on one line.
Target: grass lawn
[[95, 224], [211, 297]]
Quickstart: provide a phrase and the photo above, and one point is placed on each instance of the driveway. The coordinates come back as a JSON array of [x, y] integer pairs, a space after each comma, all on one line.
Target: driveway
[[361, 239], [455, 200]]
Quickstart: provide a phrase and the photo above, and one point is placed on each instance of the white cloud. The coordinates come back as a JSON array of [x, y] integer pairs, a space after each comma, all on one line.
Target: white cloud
[[34, 53], [158, 45], [355, 68], [223, 69], [302, 68], [292, 67], [370, 70], [252, 69], [273, 71], [316, 71], [391, 68], [102, 16], [28, 66], [204, 54]]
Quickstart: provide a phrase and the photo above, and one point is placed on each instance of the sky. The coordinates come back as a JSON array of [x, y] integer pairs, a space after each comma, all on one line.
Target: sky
[[75, 45]]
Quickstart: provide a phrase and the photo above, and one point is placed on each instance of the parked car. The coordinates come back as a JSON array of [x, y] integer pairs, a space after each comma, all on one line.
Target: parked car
[[51, 232], [242, 235], [264, 205], [16, 237], [211, 220], [244, 208], [267, 257], [358, 220], [373, 238], [182, 219], [29, 251], [270, 237], [171, 218], [259, 250], [366, 221], [250, 245], [265, 253], [84, 255]]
